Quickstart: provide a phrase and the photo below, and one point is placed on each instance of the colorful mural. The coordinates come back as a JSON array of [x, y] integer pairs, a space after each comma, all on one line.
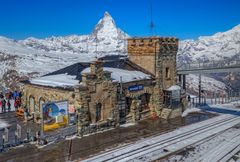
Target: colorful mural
[[55, 115]]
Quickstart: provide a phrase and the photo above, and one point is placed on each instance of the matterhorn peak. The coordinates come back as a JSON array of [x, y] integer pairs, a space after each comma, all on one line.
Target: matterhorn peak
[[106, 26], [106, 14]]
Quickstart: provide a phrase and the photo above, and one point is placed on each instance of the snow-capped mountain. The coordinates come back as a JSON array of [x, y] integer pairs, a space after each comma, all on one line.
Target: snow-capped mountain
[[33, 57], [225, 45], [105, 38]]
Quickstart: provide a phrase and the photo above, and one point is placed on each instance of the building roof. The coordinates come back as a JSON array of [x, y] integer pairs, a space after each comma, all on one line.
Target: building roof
[[72, 75]]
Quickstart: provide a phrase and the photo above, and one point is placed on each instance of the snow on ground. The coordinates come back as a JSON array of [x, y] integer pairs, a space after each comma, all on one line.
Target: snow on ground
[[127, 76], [190, 110], [127, 124], [206, 149], [3, 124], [230, 106]]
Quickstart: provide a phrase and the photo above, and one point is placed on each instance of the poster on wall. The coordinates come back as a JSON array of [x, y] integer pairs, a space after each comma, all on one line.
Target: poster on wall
[[72, 114], [55, 115]]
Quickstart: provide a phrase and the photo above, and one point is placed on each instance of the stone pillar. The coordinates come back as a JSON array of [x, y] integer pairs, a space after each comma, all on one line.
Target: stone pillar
[[134, 109]]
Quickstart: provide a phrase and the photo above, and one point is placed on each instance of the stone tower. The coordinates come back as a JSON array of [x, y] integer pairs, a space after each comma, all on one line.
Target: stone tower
[[158, 56]]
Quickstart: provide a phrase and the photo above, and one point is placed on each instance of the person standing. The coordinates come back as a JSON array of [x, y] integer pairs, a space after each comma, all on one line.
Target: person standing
[[9, 105], [3, 105], [15, 105], [15, 95]]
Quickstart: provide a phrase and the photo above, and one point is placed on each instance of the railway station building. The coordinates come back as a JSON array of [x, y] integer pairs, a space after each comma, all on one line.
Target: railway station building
[[114, 90]]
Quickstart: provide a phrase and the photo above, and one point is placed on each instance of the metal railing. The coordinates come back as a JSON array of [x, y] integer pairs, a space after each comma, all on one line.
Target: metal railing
[[214, 99], [209, 65]]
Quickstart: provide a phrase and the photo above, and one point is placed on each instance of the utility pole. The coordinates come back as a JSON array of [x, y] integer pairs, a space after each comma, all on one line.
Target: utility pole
[[199, 88]]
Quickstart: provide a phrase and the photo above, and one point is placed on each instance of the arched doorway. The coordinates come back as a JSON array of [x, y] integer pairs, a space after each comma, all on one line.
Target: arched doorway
[[98, 112], [128, 105], [31, 104], [144, 101]]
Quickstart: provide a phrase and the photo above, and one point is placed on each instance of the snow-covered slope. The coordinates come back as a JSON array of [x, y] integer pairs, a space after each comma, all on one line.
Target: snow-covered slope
[[208, 84], [217, 47]]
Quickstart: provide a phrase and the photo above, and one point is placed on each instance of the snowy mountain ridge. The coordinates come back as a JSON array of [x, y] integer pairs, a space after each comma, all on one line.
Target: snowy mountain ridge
[[222, 45]]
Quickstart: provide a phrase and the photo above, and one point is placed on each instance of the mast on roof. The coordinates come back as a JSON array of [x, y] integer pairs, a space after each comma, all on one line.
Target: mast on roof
[[152, 25]]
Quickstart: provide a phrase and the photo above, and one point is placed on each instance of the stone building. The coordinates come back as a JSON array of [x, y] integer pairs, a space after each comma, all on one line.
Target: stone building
[[112, 90], [158, 56]]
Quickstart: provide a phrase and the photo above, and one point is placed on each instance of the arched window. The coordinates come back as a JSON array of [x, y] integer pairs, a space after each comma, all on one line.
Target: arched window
[[41, 102], [98, 111], [31, 104]]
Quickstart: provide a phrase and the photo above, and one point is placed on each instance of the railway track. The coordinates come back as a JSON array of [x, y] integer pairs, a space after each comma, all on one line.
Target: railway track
[[225, 152], [164, 145]]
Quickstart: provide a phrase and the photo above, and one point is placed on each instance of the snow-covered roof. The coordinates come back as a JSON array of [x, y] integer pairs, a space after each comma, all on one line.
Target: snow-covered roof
[[65, 80], [60, 80], [174, 88], [127, 75]]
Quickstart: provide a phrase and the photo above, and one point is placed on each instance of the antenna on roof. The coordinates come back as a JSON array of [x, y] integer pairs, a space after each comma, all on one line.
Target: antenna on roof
[[152, 25]]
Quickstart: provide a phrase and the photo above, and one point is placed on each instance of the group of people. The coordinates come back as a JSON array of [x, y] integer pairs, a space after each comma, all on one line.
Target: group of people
[[9, 98]]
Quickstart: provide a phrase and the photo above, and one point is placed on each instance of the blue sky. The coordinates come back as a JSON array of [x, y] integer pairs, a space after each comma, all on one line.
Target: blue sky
[[185, 19]]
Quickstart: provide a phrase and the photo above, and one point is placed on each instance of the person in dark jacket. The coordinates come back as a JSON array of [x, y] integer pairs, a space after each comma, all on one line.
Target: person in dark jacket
[[9, 105], [3, 105]]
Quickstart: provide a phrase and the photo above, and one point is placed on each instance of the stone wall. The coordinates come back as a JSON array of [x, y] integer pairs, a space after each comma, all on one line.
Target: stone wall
[[99, 89], [41, 94], [142, 51]]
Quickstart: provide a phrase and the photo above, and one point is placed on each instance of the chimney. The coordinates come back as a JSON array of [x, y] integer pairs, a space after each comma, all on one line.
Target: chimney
[[97, 68]]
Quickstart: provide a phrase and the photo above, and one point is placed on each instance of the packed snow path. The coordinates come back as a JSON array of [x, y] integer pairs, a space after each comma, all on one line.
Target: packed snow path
[[161, 146]]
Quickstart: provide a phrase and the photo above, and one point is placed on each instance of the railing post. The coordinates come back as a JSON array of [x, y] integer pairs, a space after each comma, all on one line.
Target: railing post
[[215, 96]]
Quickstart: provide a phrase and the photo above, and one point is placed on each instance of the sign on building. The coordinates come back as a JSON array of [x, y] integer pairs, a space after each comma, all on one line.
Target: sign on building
[[136, 88], [55, 115]]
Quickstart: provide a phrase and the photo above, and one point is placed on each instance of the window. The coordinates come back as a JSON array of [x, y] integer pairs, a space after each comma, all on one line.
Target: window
[[31, 104], [167, 73], [41, 102], [98, 111]]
